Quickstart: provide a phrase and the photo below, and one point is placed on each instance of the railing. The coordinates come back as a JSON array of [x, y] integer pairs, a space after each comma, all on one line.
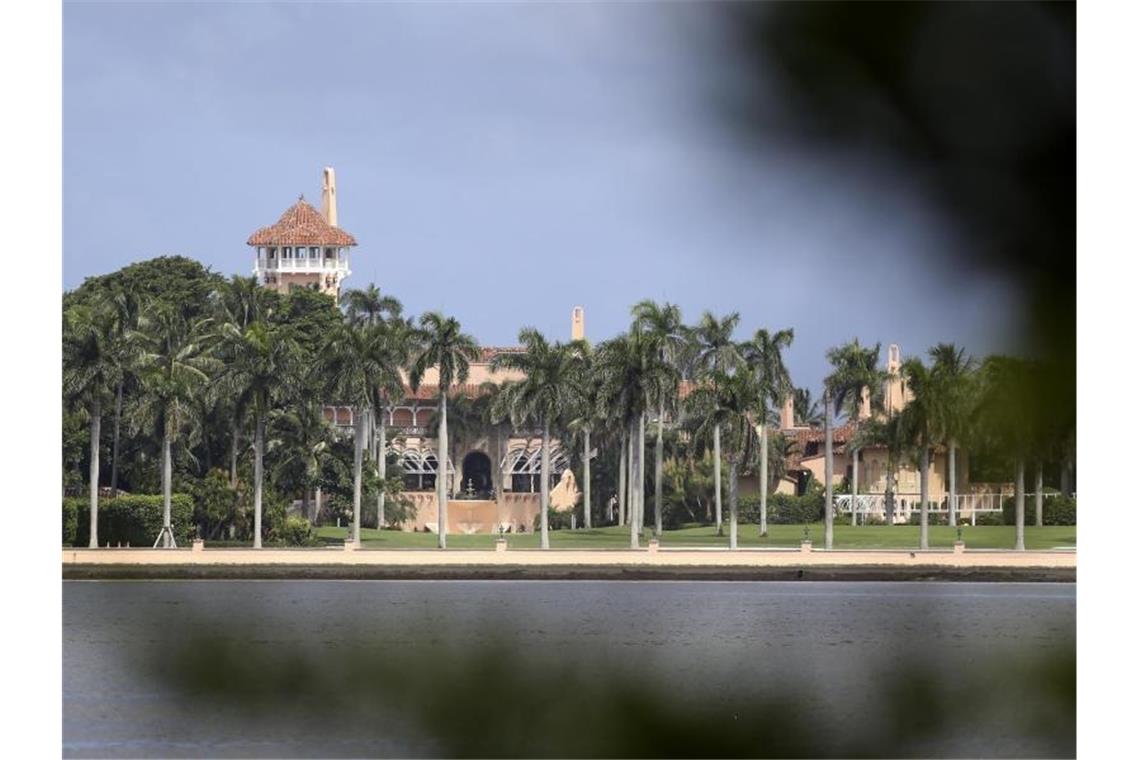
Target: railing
[[969, 505], [301, 265]]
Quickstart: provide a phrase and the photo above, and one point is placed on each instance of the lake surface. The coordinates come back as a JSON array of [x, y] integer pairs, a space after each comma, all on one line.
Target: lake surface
[[426, 668]]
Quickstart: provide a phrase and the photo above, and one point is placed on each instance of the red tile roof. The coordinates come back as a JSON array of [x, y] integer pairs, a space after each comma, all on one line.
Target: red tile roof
[[301, 224]]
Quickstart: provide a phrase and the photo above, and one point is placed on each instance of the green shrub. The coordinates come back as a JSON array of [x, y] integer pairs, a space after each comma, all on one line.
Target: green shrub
[[135, 519], [932, 518], [71, 520], [297, 531], [785, 509], [1055, 510], [989, 518]]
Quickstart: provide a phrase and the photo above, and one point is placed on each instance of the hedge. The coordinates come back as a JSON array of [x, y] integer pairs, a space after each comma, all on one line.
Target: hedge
[[134, 519], [1055, 510], [784, 509]]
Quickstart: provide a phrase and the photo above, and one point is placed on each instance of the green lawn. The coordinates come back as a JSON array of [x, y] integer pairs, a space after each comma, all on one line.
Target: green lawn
[[846, 537]]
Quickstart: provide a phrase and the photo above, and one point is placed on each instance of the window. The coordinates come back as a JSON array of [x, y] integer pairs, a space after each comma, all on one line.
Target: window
[[272, 252], [314, 253], [286, 252]]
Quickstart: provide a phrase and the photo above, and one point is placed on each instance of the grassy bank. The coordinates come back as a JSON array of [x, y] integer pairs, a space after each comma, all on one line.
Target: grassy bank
[[846, 537]]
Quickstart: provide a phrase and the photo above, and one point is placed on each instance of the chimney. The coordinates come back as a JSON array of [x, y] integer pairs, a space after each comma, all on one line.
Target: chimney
[[328, 196], [788, 413], [865, 403], [578, 323]]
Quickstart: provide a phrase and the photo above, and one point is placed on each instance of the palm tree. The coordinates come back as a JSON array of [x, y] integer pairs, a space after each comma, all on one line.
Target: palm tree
[[855, 373], [664, 328], [715, 355], [585, 417], [1007, 417], [173, 365], [354, 361], [919, 422], [306, 439], [954, 374], [369, 307], [548, 391], [261, 367], [729, 406], [398, 341], [91, 368], [763, 356], [450, 351], [806, 409], [127, 305]]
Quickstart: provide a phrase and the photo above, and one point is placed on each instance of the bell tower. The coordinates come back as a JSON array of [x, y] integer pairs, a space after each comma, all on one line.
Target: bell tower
[[305, 248]]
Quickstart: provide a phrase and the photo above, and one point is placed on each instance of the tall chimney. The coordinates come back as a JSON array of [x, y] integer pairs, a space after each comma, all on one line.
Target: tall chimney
[[788, 413], [328, 196], [865, 403], [578, 324]]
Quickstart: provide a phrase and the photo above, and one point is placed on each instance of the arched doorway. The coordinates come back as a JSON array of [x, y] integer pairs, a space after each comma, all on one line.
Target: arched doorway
[[477, 473]]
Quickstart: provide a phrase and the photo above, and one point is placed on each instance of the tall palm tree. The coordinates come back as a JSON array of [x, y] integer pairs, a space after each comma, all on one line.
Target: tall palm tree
[[398, 341], [919, 421], [730, 406], [585, 417], [307, 439], [716, 355], [855, 373], [763, 355], [444, 346], [261, 365], [174, 364], [954, 374], [353, 360], [665, 330], [91, 368], [127, 305], [548, 391]]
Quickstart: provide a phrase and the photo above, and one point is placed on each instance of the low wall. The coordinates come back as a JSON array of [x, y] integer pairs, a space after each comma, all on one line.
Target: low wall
[[514, 511]]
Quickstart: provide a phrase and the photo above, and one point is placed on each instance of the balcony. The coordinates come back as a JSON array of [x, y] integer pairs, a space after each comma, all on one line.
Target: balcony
[[263, 265]]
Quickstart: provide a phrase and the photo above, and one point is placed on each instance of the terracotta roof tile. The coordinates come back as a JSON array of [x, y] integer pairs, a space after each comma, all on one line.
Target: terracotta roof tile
[[301, 224]]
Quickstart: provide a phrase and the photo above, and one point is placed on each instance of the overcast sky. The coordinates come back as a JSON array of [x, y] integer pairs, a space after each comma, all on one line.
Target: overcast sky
[[502, 163]]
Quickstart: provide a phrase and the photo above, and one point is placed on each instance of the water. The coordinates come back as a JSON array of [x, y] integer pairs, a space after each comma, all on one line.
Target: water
[[413, 668]]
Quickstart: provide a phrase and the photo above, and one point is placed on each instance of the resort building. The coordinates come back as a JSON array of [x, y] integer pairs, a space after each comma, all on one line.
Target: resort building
[[493, 474]]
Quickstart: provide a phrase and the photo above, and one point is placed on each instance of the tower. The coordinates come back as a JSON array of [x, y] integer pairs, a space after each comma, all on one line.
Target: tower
[[896, 391], [305, 248], [578, 323]]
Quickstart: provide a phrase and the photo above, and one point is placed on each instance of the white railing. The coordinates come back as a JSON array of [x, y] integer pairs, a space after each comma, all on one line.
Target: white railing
[[969, 505], [301, 265]]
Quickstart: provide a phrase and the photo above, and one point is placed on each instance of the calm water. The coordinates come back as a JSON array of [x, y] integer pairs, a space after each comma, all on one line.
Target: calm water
[[824, 658]]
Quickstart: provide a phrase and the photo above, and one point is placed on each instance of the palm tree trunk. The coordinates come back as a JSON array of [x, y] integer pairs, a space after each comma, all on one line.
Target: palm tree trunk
[[258, 475], [828, 469], [633, 534], [382, 469], [763, 480], [889, 491], [716, 478], [441, 474], [1019, 506], [641, 474], [357, 470], [854, 486], [924, 497], [115, 441], [659, 455], [732, 528], [1040, 497], [93, 475], [586, 481], [952, 474], [317, 505], [234, 456], [1066, 477], [167, 530], [622, 464], [544, 490]]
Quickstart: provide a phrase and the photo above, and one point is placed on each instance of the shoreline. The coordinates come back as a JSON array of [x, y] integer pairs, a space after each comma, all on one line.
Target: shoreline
[[662, 564]]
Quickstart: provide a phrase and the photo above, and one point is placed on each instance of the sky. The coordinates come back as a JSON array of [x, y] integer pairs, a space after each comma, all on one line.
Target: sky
[[501, 163]]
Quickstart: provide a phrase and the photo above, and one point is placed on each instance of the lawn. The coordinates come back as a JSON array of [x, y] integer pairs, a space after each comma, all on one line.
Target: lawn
[[846, 537]]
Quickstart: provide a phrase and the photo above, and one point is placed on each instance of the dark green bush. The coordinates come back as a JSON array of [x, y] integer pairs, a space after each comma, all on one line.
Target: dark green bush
[[1055, 510], [989, 518], [932, 518], [71, 519], [135, 519]]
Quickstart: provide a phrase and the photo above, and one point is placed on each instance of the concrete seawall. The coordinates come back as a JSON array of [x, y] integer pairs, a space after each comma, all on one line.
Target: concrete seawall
[[696, 564]]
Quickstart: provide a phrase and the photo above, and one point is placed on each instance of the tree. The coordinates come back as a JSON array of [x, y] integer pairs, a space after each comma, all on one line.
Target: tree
[[369, 307], [665, 331], [585, 418], [445, 347], [353, 361], [919, 422], [855, 376], [261, 365], [306, 440], [806, 410], [549, 388], [953, 373], [173, 364], [91, 367], [715, 355], [398, 338], [763, 356]]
